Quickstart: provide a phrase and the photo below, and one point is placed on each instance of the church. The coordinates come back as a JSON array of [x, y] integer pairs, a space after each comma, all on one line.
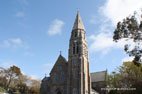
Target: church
[[73, 76]]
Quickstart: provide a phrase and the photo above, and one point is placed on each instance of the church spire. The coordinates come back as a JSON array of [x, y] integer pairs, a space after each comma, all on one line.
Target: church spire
[[78, 64], [78, 24]]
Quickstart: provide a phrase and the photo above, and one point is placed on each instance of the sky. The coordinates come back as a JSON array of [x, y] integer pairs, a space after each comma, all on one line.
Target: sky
[[33, 32]]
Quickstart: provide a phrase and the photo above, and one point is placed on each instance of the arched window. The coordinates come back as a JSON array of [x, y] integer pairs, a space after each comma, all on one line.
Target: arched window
[[73, 48], [77, 48]]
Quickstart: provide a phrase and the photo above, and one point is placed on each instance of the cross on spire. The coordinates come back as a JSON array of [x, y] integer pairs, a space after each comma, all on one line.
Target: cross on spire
[[60, 52]]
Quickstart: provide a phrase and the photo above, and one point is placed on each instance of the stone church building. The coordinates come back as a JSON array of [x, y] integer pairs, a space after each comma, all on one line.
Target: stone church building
[[73, 76]]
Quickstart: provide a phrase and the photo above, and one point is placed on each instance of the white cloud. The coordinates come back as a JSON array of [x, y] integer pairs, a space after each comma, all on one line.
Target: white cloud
[[20, 14], [93, 19], [103, 42], [55, 27], [12, 43], [127, 59], [112, 12], [116, 10], [23, 4], [34, 77]]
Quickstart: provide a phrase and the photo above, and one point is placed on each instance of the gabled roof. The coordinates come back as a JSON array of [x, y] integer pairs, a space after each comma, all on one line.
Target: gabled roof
[[60, 60], [98, 76], [78, 24]]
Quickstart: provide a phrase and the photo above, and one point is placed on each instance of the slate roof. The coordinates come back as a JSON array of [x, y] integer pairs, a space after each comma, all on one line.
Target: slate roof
[[98, 76]]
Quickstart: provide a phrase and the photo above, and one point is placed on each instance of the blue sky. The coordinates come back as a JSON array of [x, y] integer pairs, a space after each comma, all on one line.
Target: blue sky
[[33, 32]]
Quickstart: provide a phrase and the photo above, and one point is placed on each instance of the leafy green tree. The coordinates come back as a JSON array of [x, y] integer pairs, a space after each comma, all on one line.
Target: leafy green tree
[[2, 90], [130, 29], [127, 76]]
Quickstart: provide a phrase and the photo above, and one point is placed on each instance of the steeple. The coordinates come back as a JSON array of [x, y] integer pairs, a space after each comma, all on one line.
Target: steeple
[[78, 64], [78, 24]]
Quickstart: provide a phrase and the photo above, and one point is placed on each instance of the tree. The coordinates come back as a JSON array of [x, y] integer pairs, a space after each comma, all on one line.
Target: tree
[[128, 76], [13, 74], [22, 88], [130, 29], [34, 86], [2, 90], [3, 79], [14, 82]]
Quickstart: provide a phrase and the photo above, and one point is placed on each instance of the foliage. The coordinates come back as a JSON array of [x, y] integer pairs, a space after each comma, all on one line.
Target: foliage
[[128, 76], [12, 75], [2, 90], [34, 87], [14, 82], [130, 29]]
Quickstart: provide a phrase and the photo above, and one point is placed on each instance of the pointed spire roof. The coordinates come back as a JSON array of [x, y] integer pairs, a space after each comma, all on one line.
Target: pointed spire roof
[[78, 24]]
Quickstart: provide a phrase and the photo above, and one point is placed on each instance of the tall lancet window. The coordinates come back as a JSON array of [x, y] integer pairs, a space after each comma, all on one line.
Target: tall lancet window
[[75, 47]]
